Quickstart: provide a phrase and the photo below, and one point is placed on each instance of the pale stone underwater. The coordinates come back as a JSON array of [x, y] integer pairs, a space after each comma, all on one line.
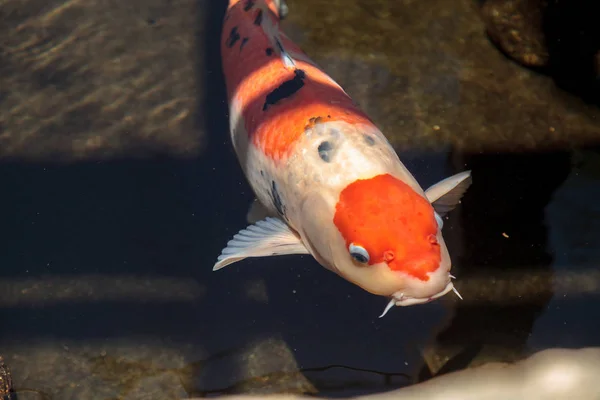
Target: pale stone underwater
[[552, 374]]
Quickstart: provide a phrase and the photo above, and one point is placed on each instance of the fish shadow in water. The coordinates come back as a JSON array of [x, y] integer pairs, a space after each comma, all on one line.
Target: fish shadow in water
[[509, 194]]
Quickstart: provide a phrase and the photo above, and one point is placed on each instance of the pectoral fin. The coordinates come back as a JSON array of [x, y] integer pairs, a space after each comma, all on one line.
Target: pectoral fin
[[446, 194], [269, 237]]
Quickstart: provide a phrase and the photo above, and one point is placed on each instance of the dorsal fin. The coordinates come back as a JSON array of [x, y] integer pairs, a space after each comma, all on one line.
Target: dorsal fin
[[287, 59], [270, 26]]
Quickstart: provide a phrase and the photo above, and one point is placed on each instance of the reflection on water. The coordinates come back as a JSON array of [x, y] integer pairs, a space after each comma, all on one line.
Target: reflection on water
[[106, 288]]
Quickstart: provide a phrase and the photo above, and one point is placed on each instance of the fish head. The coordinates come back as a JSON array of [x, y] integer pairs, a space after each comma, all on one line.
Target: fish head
[[384, 236]]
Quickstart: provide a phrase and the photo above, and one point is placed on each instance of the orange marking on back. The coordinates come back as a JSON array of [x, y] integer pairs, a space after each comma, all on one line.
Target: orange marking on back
[[277, 129], [392, 222], [252, 73]]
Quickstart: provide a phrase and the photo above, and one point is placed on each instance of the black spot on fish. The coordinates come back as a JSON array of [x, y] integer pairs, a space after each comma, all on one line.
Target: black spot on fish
[[315, 120], [269, 51], [262, 173], [258, 19], [286, 89], [325, 151], [244, 41], [249, 5], [277, 200], [234, 36], [312, 122], [370, 141]]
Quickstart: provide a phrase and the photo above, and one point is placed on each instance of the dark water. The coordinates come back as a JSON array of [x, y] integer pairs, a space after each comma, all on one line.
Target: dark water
[[107, 282]]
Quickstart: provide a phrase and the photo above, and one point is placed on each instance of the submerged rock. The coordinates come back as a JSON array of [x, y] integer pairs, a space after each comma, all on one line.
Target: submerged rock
[[554, 374], [447, 83], [562, 37], [6, 386], [516, 27], [90, 80], [94, 80]]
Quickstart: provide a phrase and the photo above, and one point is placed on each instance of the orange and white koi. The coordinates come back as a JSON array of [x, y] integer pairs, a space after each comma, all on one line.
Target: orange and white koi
[[327, 181]]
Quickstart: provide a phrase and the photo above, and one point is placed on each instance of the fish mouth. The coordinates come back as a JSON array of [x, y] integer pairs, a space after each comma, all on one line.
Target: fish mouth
[[401, 300]]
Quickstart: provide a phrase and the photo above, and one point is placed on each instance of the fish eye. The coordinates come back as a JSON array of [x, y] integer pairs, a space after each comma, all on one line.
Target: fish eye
[[359, 253], [439, 220]]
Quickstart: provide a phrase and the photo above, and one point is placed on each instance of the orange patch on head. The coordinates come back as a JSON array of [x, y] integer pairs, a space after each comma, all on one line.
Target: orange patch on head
[[392, 222]]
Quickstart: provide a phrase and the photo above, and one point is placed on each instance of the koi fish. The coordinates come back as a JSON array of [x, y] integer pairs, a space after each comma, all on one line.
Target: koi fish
[[327, 181]]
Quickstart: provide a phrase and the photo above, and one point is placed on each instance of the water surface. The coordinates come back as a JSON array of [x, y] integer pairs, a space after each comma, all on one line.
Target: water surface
[[120, 188]]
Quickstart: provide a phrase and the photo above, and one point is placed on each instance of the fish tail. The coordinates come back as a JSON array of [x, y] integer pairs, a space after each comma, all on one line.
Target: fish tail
[[282, 8], [277, 7], [270, 12]]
